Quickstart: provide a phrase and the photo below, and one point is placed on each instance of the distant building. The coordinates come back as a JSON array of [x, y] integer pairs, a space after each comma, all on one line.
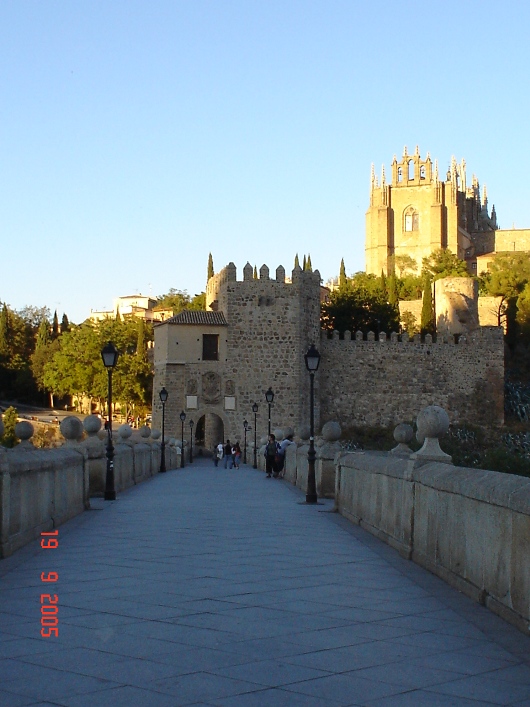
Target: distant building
[[419, 212], [138, 306]]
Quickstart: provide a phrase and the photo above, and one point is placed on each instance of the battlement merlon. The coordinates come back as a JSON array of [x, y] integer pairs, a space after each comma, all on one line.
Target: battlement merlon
[[217, 285]]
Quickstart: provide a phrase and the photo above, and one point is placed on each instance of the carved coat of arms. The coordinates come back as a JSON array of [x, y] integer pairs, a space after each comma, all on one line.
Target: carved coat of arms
[[211, 387]]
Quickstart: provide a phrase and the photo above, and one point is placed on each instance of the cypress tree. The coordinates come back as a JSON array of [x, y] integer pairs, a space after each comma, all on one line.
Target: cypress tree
[[384, 286], [309, 267], [342, 274], [43, 335], [65, 324], [304, 263], [296, 261], [4, 332], [255, 273], [427, 310], [393, 297], [55, 326], [210, 268]]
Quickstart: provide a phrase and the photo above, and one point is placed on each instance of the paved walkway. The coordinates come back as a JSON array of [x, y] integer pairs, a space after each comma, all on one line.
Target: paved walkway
[[213, 587]]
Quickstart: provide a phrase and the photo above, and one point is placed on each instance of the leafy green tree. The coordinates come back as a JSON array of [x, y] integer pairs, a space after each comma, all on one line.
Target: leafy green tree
[[405, 264], [444, 263], [410, 287], [355, 308], [9, 438], [65, 324], [507, 278], [410, 323], [210, 272], [427, 323]]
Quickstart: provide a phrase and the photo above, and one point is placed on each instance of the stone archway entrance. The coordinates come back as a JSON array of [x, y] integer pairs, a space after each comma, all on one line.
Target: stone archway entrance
[[209, 431]]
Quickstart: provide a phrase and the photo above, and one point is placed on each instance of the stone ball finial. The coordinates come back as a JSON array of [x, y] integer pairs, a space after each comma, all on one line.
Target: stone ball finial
[[145, 431], [24, 431], [331, 431], [288, 432], [124, 432], [278, 433], [304, 432], [71, 428], [403, 433], [263, 440], [156, 434], [92, 425], [433, 421]]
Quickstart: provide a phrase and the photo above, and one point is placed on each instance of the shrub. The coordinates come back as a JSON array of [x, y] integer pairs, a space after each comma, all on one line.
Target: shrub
[[9, 438]]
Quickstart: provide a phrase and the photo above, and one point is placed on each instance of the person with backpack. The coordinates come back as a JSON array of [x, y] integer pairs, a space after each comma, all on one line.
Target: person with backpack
[[271, 450]]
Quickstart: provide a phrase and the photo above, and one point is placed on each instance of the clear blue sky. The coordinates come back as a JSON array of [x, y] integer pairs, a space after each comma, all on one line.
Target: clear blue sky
[[138, 136]]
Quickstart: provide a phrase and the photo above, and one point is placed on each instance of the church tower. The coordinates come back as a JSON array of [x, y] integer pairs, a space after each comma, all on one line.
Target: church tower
[[418, 212]]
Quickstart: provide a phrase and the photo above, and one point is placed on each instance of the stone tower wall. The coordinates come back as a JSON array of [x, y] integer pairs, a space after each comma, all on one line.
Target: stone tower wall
[[382, 383]]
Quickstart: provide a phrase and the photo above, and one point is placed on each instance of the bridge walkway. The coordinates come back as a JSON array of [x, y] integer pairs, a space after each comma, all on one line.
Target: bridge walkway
[[217, 587]]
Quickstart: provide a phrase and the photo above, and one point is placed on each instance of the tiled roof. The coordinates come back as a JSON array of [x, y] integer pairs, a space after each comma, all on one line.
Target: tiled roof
[[191, 316]]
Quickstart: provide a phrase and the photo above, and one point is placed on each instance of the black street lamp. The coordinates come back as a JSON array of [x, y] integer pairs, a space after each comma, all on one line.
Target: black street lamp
[[182, 418], [163, 399], [312, 360], [191, 441], [269, 397], [255, 411], [109, 354], [246, 427]]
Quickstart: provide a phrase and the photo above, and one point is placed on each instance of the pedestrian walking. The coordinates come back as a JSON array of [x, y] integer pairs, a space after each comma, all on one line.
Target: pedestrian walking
[[218, 453], [236, 451]]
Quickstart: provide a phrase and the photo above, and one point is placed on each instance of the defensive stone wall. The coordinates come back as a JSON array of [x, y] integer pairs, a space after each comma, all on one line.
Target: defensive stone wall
[[384, 382]]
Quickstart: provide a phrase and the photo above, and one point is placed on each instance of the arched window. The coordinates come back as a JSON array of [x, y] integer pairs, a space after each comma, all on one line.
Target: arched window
[[411, 220], [400, 174], [411, 169], [422, 172]]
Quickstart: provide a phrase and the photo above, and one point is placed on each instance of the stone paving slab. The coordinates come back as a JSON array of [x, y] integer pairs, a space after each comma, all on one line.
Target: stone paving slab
[[208, 586]]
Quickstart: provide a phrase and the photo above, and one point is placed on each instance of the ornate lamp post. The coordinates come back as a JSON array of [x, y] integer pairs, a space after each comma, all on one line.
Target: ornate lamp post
[[245, 425], [255, 411], [182, 418], [312, 360], [109, 354], [269, 397], [191, 441], [163, 399]]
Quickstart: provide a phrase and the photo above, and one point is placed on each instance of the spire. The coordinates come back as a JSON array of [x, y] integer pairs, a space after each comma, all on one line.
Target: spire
[[405, 153], [417, 152], [484, 197], [372, 176], [493, 217]]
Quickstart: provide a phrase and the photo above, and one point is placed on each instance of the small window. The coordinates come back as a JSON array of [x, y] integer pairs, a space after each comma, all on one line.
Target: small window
[[412, 220], [422, 172], [400, 174], [411, 169], [210, 347]]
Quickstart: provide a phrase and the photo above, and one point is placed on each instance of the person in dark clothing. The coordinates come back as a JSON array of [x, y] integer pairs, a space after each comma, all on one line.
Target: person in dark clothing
[[271, 449], [228, 455]]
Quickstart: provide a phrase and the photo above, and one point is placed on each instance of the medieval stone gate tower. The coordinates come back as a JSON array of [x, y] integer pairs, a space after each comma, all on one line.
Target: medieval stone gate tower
[[216, 364]]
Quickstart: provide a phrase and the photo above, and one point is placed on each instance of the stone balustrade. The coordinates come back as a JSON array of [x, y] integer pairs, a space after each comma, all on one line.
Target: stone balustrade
[[42, 488]]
